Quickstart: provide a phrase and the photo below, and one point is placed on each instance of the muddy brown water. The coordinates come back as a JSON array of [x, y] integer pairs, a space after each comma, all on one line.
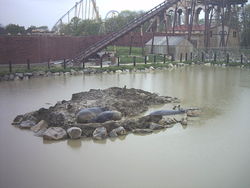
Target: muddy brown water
[[211, 152]]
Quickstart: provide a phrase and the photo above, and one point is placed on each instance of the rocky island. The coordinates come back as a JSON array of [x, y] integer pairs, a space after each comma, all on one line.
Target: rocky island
[[100, 114]]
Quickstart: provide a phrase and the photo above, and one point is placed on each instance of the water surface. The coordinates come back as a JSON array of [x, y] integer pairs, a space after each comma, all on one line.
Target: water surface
[[213, 151]]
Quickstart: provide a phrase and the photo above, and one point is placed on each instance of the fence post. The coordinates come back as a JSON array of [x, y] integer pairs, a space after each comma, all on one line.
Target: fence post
[[48, 63], [101, 62], [118, 61], [164, 60], [154, 58], [241, 59], [227, 59], [181, 57], [64, 64], [145, 60], [215, 57], [202, 57], [10, 66], [134, 61], [186, 57], [191, 56], [83, 64], [28, 64]]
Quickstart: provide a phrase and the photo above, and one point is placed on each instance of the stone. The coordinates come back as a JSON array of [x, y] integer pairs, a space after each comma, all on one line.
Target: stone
[[29, 74], [27, 124], [100, 133], [20, 75], [142, 131], [74, 132], [56, 74], [16, 78], [179, 64], [113, 134], [17, 120], [49, 74], [54, 133], [108, 116], [155, 126], [11, 77], [117, 132], [66, 73], [170, 65], [42, 125], [118, 71]]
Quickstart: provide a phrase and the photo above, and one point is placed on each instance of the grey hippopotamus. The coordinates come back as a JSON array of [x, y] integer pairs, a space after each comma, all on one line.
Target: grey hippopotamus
[[172, 112], [167, 112], [86, 115], [107, 116]]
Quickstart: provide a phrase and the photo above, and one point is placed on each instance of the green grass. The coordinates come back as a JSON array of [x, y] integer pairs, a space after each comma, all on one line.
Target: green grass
[[123, 53]]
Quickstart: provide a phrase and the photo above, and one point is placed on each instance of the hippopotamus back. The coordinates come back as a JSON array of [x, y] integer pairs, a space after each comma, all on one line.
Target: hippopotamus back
[[86, 115], [107, 116]]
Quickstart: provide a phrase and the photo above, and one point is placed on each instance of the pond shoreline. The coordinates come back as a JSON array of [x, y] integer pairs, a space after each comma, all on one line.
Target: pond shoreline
[[70, 71]]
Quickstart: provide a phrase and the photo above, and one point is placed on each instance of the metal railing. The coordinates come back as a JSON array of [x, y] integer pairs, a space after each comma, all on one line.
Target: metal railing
[[123, 31]]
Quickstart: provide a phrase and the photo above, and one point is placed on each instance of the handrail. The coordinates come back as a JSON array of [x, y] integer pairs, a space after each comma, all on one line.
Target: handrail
[[124, 30]]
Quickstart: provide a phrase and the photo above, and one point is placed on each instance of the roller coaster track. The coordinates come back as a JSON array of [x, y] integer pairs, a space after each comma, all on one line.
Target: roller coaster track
[[84, 9], [93, 49]]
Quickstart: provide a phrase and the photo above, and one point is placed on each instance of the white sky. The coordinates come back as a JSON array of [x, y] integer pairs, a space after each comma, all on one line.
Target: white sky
[[47, 12]]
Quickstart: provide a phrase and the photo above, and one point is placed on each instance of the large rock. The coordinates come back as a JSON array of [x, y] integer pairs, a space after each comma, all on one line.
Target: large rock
[[25, 121], [74, 132], [108, 116], [55, 133], [117, 132], [42, 125], [86, 115], [27, 124], [18, 120], [100, 133]]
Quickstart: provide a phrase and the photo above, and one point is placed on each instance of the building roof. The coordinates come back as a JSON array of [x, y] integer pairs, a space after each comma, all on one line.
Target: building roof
[[161, 40]]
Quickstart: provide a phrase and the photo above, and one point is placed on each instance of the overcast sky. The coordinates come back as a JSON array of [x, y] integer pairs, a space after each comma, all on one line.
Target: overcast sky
[[47, 12]]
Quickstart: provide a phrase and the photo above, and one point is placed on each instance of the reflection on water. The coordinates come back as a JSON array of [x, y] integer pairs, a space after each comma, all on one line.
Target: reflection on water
[[212, 151]]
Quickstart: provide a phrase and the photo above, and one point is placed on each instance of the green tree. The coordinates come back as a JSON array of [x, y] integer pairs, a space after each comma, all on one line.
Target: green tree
[[2, 30], [116, 23], [245, 35], [14, 29], [79, 27]]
